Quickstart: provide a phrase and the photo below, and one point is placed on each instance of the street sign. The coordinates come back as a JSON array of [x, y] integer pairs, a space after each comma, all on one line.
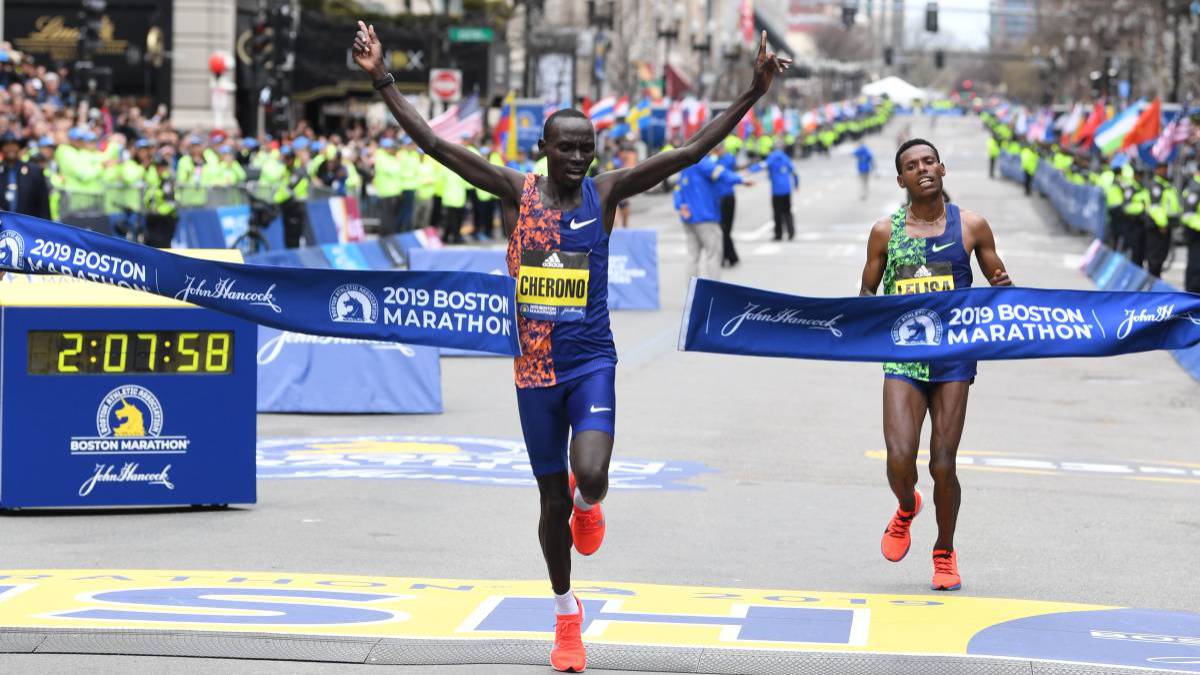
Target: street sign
[[445, 84], [471, 34]]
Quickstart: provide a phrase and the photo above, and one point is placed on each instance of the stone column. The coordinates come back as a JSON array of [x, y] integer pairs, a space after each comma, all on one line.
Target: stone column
[[200, 27]]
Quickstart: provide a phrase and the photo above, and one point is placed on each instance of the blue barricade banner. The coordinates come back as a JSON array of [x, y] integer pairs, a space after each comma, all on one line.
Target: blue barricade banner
[[200, 228], [376, 256], [235, 221], [1010, 167], [966, 325], [345, 257], [1113, 271], [1082, 207], [633, 269], [286, 257], [486, 261], [320, 374], [530, 118], [322, 228], [440, 309]]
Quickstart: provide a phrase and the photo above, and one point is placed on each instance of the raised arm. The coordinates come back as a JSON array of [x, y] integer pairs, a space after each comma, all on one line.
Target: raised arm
[[625, 183], [877, 245], [475, 169]]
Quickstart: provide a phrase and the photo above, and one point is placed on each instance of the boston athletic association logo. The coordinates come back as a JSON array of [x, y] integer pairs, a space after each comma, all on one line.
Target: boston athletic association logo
[[12, 249], [352, 303], [918, 328]]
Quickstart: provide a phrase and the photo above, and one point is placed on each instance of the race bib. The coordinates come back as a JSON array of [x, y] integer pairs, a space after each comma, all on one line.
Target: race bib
[[927, 278], [553, 285]]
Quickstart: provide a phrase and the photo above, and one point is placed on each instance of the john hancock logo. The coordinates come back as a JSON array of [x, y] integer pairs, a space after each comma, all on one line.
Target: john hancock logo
[[12, 249], [129, 421], [1161, 314], [918, 328], [129, 472], [352, 303]]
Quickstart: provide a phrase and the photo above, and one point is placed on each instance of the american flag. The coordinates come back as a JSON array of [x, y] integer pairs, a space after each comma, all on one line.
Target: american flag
[[459, 120], [1176, 132]]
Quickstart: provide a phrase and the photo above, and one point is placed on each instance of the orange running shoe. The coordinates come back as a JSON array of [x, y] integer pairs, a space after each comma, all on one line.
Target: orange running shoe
[[945, 571], [587, 527], [568, 655], [896, 540]]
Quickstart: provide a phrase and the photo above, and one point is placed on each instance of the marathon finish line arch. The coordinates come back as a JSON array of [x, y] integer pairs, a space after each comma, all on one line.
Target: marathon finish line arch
[[413, 620]]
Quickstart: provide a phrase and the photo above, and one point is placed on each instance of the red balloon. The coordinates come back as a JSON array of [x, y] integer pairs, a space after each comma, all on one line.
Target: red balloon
[[216, 64]]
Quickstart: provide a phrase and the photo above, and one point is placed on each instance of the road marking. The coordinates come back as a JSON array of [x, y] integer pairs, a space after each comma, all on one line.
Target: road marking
[[1165, 471], [173, 602]]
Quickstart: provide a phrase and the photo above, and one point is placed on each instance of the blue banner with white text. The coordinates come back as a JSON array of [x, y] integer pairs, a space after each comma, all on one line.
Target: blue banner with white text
[[441, 309], [300, 373], [964, 325]]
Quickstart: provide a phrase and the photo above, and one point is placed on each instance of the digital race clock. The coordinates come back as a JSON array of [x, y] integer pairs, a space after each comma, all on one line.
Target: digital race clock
[[106, 352]]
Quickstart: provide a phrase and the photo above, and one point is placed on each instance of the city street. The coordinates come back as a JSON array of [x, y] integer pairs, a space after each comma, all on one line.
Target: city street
[[1080, 477]]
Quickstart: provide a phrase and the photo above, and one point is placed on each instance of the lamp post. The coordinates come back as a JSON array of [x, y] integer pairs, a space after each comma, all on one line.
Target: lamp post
[[667, 28], [600, 15], [703, 48]]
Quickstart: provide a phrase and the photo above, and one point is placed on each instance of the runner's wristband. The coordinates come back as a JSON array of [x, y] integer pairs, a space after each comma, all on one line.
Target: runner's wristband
[[383, 81]]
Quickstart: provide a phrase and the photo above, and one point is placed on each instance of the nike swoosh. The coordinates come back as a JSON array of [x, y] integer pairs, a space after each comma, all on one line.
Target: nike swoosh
[[576, 226], [943, 247], [594, 408]]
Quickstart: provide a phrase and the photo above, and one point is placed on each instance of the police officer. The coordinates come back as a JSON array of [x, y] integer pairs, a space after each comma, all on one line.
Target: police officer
[[993, 151], [25, 188], [1136, 203], [291, 195], [1029, 164], [1106, 180], [1191, 221], [162, 210], [1163, 212]]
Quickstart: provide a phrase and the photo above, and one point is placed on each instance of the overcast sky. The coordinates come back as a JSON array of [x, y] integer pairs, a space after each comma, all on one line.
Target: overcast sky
[[961, 23]]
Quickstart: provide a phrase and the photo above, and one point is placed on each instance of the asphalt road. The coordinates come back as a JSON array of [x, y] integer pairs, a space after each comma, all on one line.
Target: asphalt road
[[797, 497]]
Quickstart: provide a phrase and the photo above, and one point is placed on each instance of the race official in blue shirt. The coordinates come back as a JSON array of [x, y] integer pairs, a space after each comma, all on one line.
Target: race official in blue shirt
[[698, 201], [784, 181], [728, 201], [866, 164]]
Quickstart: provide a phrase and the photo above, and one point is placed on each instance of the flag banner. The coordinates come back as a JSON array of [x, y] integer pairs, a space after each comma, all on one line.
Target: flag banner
[[966, 325], [466, 310]]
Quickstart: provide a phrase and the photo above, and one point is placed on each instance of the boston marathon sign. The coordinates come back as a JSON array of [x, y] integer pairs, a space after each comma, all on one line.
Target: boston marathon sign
[[964, 325], [463, 310]]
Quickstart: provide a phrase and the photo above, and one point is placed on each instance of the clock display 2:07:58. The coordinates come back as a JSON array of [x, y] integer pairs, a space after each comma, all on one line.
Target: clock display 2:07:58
[[103, 352]]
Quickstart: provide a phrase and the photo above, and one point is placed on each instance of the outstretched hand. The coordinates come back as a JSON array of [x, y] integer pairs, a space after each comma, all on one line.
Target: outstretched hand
[[368, 52], [767, 65]]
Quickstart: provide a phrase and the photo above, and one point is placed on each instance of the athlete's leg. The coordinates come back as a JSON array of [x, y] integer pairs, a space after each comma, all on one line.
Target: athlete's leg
[[947, 413], [544, 424], [904, 407], [592, 408]]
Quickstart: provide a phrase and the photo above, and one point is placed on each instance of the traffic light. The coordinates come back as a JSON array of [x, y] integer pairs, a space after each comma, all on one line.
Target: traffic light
[[939, 59], [889, 55], [931, 12], [260, 40]]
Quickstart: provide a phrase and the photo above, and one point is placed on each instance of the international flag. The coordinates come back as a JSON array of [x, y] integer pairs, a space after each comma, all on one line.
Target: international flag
[[504, 136], [809, 121], [674, 117], [1147, 127], [1110, 137], [621, 109], [603, 113], [462, 120], [748, 126], [637, 113], [1086, 131], [1067, 124], [1177, 132], [746, 21]]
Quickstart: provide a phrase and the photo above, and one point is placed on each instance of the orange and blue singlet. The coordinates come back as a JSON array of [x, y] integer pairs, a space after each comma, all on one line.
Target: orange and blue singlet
[[565, 375]]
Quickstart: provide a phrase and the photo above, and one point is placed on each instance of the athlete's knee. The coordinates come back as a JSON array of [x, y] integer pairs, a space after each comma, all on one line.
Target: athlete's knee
[[592, 482], [943, 469]]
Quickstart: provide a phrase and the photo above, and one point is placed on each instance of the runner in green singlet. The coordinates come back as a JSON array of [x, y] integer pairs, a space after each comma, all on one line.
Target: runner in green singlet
[[926, 247]]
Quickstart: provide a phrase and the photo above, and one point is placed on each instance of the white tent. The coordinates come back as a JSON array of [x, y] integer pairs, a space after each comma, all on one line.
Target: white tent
[[898, 90]]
